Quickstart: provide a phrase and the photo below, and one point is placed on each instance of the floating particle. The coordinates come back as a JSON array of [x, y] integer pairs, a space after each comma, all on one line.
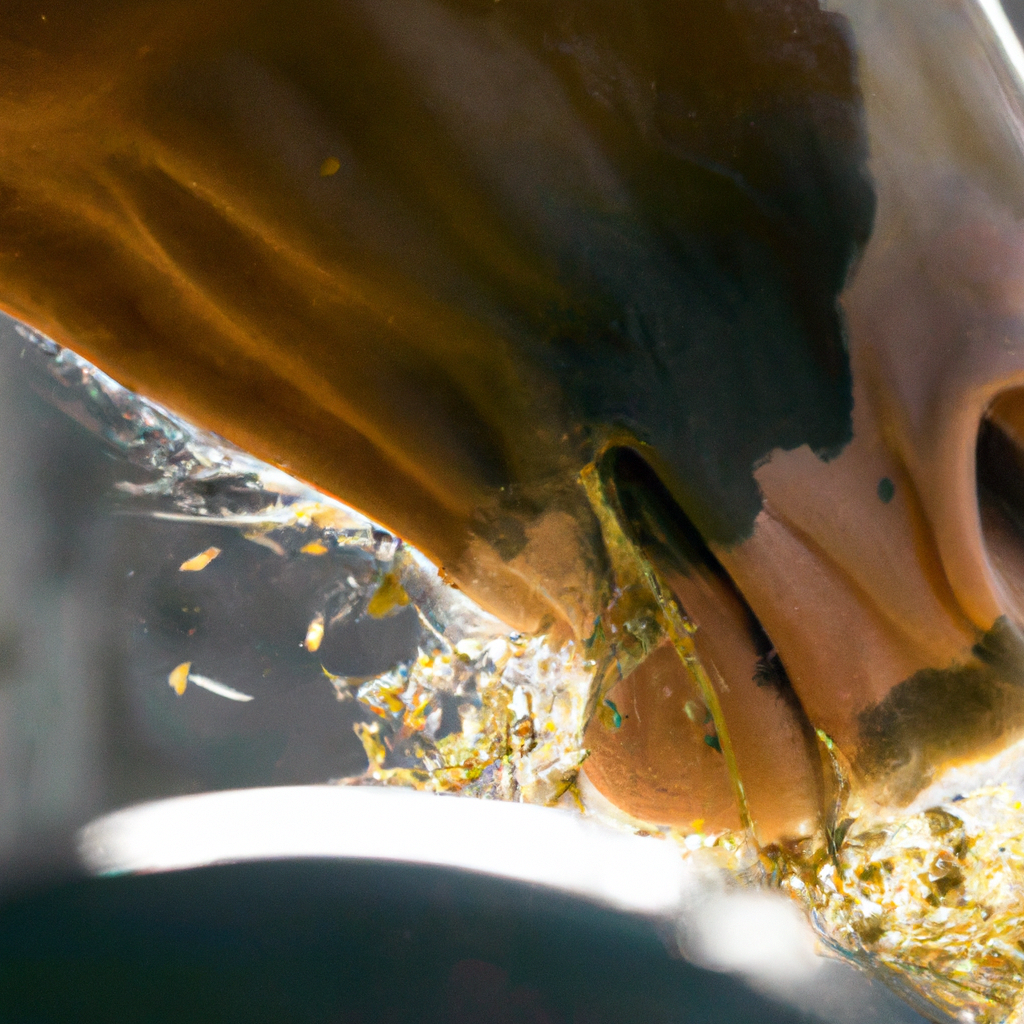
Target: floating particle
[[218, 688], [388, 597], [469, 649], [369, 734], [265, 542], [178, 679], [315, 633], [330, 166], [314, 547], [200, 561]]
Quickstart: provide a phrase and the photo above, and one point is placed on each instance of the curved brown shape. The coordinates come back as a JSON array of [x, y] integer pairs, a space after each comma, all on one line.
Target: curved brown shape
[[431, 255], [424, 252], [662, 761], [162, 211]]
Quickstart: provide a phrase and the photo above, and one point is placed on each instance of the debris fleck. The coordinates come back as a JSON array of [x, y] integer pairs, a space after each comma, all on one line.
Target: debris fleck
[[178, 679], [200, 561], [182, 675], [265, 542], [218, 688], [315, 633], [387, 598]]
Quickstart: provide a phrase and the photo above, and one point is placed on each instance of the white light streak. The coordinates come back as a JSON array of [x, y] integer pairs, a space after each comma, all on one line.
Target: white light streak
[[218, 688], [1004, 32], [758, 935], [516, 841]]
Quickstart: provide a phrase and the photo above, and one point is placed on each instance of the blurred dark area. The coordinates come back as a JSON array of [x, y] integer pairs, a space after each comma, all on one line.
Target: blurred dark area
[[315, 942]]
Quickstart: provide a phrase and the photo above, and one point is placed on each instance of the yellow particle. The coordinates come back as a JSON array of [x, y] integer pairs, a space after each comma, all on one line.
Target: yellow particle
[[315, 633], [200, 561], [415, 717], [178, 679], [330, 166], [391, 697], [368, 736], [314, 547], [697, 824], [388, 596]]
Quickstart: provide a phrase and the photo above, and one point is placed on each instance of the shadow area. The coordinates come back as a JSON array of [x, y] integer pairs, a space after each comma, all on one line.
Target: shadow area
[[353, 942]]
